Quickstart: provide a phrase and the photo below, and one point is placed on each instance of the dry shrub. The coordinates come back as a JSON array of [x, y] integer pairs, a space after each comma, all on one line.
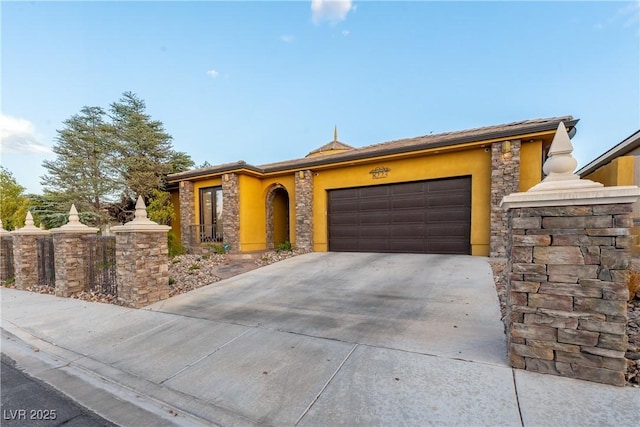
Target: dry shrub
[[633, 282]]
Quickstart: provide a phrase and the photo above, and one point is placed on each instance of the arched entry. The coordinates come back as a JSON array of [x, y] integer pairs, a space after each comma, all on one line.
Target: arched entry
[[277, 216]]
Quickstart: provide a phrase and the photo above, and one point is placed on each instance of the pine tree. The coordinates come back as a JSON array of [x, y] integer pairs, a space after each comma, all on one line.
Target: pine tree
[[84, 171], [145, 149]]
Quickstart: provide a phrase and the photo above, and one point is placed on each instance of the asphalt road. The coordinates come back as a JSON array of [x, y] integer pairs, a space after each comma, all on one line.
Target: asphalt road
[[27, 401]]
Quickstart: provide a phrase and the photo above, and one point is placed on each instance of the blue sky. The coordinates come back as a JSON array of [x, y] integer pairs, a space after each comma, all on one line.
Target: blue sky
[[267, 81]]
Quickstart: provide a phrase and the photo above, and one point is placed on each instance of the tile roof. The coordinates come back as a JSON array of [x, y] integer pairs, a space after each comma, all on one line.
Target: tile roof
[[503, 131]]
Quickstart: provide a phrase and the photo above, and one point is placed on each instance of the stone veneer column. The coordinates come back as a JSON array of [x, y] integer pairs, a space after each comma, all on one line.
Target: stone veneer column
[[231, 211], [304, 210], [569, 250], [6, 253], [142, 260], [25, 253], [505, 179], [187, 213], [71, 255]]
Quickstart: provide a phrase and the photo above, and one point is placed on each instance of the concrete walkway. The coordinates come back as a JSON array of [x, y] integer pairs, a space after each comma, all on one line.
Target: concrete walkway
[[320, 339]]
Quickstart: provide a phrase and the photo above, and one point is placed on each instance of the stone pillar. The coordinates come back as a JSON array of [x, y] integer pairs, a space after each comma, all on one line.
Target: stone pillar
[[142, 260], [568, 254], [6, 254], [304, 210], [25, 253], [505, 179], [187, 213], [71, 255], [231, 211]]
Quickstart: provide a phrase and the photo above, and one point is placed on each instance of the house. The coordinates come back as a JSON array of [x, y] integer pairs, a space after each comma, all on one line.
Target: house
[[619, 166], [431, 194]]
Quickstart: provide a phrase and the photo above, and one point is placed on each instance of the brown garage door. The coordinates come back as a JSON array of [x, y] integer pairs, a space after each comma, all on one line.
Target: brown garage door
[[416, 217]]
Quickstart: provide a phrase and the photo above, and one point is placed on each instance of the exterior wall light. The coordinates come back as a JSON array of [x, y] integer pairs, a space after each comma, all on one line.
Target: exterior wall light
[[506, 147]]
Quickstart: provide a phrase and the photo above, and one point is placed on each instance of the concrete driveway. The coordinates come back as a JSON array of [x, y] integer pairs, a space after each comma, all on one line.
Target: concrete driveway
[[431, 304], [316, 340]]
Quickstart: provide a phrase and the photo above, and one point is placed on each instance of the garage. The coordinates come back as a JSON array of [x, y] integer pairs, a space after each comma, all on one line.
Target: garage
[[432, 217]]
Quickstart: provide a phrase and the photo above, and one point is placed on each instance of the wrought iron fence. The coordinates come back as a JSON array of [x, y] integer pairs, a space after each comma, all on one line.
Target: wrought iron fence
[[46, 261], [102, 264], [6, 269], [206, 233]]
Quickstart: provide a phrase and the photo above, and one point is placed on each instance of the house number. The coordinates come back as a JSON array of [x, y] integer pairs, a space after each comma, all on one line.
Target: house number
[[380, 172]]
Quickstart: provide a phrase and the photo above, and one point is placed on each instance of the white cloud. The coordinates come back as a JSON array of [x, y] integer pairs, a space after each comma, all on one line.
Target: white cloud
[[17, 136], [287, 38], [333, 11], [213, 73], [345, 33]]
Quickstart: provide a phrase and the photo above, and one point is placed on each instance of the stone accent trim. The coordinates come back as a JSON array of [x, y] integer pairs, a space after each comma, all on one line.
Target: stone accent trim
[[142, 267], [304, 210], [567, 291], [231, 211], [505, 179], [187, 202], [269, 213]]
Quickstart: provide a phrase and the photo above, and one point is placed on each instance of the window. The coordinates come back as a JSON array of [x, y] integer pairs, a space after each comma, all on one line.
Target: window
[[211, 214]]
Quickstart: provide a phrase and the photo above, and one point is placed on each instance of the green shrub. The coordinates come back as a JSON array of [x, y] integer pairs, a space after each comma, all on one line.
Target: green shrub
[[194, 267], [175, 247], [284, 247]]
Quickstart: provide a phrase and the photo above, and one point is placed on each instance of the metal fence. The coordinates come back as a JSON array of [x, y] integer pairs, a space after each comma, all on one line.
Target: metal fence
[[102, 264], [205, 233], [6, 269], [46, 261]]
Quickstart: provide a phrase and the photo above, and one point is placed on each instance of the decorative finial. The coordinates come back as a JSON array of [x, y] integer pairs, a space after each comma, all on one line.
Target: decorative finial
[[560, 165], [1, 227], [28, 222], [141, 210], [335, 133], [74, 219]]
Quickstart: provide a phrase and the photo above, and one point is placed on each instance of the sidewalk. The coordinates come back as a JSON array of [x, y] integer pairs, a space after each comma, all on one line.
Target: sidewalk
[[148, 368]]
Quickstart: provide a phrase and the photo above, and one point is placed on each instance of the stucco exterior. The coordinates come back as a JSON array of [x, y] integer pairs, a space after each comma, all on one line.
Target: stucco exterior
[[303, 184]]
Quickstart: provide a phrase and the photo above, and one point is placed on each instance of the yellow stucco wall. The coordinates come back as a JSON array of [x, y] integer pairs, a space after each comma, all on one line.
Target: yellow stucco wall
[[619, 172], [475, 162], [530, 164], [253, 223]]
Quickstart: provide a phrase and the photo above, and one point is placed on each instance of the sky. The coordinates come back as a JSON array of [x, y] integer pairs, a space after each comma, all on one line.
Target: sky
[[267, 81]]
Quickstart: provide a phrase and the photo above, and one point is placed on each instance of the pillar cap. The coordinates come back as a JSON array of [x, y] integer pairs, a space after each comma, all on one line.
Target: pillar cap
[[575, 197], [30, 228], [3, 232], [74, 226], [140, 222]]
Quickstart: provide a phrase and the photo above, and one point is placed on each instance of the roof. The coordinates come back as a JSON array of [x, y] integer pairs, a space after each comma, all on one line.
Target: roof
[[331, 146], [504, 131], [626, 146]]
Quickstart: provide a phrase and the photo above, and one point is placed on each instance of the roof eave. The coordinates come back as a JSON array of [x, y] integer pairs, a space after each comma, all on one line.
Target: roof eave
[[628, 144]]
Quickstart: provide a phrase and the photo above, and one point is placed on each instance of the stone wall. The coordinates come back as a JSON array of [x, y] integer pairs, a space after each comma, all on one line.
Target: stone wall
[[231, 211], [187, 213], [567, 291], [25, 259], [505, 179], [70, 260], [142, 263], [304, 210]]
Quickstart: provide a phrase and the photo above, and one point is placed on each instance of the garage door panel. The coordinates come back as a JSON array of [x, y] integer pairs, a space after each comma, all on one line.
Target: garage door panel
[[409, 216], [376, 191], [408, 203], [374, 232], [408, 231], [423, 217], [447, 185], [374, 204], [408, 188], [447, 200], [447, 215], [446, 229]]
